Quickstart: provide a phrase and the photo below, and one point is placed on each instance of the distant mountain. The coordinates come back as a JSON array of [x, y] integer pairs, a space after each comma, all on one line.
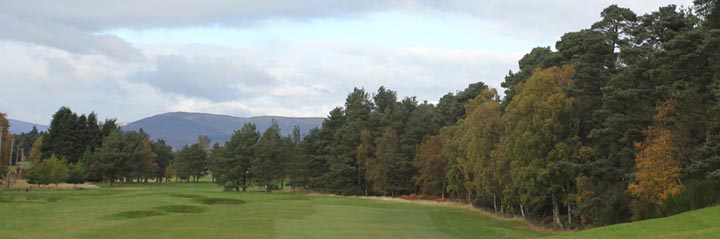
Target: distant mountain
[[181, 128], [19, 126]]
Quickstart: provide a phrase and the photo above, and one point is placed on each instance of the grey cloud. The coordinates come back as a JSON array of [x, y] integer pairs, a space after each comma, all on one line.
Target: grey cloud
[[66, 37], [217, 79], [525, 18], [100, 15], [70, 24]]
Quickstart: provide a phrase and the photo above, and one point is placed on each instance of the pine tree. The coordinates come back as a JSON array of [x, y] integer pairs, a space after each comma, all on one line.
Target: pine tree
[[266, 166], [164, 158]]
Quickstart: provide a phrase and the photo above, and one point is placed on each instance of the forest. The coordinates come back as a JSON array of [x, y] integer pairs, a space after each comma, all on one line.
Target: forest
[[615, 123]]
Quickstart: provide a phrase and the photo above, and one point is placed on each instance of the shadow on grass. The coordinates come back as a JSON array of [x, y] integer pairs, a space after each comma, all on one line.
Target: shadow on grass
[[188, 195], [220, 201], [294, 198], [181, 209], [137, 214]]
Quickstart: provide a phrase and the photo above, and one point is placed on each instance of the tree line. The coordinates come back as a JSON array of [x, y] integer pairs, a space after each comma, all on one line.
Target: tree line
[[619, 122]]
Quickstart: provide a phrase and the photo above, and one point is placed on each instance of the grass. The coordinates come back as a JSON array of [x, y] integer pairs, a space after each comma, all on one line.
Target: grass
[[182, 211], [698, 224], [220, 201], [201, 210], [137, 214]]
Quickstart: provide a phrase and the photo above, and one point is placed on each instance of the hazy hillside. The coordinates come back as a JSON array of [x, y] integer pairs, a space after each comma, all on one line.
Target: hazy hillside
[[181, 128], [18, 126]]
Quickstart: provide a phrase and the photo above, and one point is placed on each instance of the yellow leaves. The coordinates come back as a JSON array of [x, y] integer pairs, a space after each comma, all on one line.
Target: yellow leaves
[[658, 168]]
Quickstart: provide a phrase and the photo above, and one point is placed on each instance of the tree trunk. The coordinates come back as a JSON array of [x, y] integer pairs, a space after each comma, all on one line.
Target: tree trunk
[[522, 210], [442, 194], [502, 207], [244, 183], [495, 202], [569, 213], [556, 212]]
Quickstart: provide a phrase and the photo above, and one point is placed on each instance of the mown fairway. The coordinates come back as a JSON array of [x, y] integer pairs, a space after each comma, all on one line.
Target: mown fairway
[[202, 211], [698, 224]]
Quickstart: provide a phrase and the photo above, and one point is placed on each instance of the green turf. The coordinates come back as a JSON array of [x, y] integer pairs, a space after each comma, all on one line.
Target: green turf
[[698, 224], [203, 211], [181, 209]]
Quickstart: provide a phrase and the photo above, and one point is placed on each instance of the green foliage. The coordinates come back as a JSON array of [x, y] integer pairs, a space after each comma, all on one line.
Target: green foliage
[[78, 173], [125, 156], [164, 156], [268, 164], [49, 171], [385, 172], [35, 155], [24, 142], [695, 195], [538, 139], [431, 165], [559, 147], [231, 164], [70, 135], [190, 163]]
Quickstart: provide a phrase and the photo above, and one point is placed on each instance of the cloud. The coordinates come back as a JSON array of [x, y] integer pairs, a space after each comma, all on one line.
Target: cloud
[[143, 14], [73, 25], [218, 79], [528, 18], [67, 38], [426, 73], [53, 55], [37, 80], [537, 19]]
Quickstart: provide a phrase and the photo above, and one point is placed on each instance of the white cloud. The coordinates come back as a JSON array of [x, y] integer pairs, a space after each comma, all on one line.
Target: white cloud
[[38, 80], [52, 55]]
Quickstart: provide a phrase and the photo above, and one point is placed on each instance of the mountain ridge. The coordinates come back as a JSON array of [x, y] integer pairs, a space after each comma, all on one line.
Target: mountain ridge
[[182, 128], [20, 126]]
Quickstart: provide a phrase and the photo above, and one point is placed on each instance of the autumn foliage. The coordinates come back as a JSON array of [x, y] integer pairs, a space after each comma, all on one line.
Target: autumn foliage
[[431, 165], [658, 168]]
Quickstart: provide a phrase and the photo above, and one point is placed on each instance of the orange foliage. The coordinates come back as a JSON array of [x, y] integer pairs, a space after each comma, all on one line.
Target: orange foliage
[[658, 167]]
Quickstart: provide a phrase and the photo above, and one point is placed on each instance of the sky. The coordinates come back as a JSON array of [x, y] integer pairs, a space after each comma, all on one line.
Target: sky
[[131, 59]]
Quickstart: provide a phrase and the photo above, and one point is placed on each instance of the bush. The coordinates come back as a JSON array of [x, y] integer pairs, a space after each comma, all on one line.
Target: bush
[[77, 173], [696, 195], [49, 171]]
